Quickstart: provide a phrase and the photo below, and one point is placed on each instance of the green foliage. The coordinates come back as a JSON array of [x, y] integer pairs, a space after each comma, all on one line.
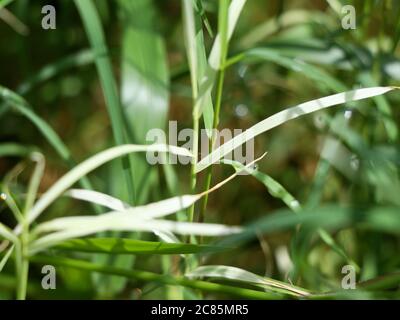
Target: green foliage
[[331, 174]]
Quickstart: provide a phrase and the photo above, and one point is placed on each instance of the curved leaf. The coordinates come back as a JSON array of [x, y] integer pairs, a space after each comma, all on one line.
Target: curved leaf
[[89, 165], [286, 115]]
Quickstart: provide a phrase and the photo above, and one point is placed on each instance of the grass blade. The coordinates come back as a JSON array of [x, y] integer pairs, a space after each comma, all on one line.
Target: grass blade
[[99, 198], [7, 234], [48, 72], [383, 219], [85, 226], [89, 165], [14, 149], [130, 246], [148, 276], [95, 34], [144, 83], [274, 187], [214, 59], [237, 274], [286, 115], [286, 20], [4, 260], [4, 3], [34, 182], [321, 78], [20, 105]]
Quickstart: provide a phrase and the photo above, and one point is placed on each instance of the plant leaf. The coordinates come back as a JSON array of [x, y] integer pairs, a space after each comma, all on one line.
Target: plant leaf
[[130, 246], [314, 73], [99, 198], [214, 58], [237, 274], [14, 149], [149, 276], [7, 234], [75, 227], [89, 165], [4, 260], [286, 115], [144, 84]]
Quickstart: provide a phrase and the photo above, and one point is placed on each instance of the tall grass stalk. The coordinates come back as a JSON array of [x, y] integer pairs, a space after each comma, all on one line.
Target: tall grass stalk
[[192, 56], [96, 37], [223, 33]]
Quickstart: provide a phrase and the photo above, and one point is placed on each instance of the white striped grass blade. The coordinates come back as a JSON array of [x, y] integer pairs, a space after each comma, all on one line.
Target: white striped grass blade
[[84, 226], [4, 260], [166, 236], [149, 211], [89, 165], [7, 234], [133, 219], [100, 198], [286, 115], [118, 205], [237, 274], [190, 39], [146, 212], [339, 156]]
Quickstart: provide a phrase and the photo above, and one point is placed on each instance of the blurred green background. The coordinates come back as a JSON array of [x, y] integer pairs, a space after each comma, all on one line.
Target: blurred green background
[[359, 166]]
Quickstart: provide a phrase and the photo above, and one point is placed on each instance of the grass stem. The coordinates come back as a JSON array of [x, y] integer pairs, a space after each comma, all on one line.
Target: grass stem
[[22, 263], [218, 100]]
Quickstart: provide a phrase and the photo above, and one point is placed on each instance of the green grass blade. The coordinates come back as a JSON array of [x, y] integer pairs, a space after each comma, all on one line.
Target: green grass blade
[[383, 107], [389, 281], [274, 188], [5, 258], [48, 72], [21, 106], [99, 198], [7, 234], [144, 82], [14, 149], [95, 34], [130, 246], [11, 176], [94, 30], [34, 182], [4, 3], [200, 10], [286, 115], [329, 217], [89, 165], [191, 31], [237, 274], [321, 78], [153, 277], [286, 20], [89, 225], [149, 211]]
